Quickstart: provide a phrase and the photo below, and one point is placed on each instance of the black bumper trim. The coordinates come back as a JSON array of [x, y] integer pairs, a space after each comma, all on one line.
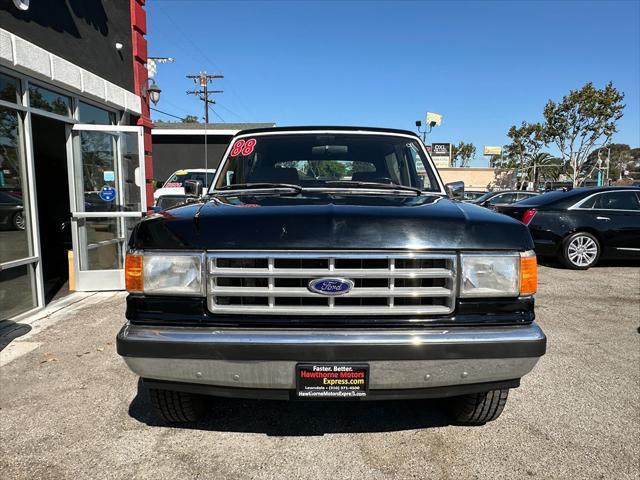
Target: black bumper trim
[[282, 394]]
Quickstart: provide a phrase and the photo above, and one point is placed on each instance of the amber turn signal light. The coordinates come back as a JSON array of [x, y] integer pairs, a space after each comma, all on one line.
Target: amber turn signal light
[[133, 273], [528, 273]]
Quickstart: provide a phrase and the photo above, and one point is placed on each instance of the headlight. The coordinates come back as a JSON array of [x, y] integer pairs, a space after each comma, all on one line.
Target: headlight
[[164, 274], [490, 275]]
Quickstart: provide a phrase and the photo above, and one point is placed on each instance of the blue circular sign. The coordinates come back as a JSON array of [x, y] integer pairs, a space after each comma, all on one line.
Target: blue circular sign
[[107, 194]]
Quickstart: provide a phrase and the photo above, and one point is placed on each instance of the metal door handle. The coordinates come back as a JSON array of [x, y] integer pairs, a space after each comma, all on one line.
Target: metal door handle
[[603, 218]]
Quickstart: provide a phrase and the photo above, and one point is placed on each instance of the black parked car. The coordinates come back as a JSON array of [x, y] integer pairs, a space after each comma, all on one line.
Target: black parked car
[[471, 196], [491, 199], [584, 224], [11, 212], [330, 263]]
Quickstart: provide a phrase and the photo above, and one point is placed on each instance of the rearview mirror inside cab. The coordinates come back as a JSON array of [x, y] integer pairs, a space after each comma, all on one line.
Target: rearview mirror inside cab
[[193, 188], [455, 190]]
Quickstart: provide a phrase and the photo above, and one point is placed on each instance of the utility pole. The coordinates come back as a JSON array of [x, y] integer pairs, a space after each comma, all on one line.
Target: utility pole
[[202, 80]]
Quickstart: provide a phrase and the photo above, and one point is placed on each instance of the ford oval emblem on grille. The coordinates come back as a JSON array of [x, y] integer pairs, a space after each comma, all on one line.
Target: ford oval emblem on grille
[[330, 286]]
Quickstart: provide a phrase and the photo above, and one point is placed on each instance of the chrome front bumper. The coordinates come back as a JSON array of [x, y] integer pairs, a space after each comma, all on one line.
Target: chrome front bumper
[[266, 358]]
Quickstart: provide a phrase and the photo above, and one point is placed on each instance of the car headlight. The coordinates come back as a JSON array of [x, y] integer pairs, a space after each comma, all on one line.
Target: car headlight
[[164, 274], [489, 275]]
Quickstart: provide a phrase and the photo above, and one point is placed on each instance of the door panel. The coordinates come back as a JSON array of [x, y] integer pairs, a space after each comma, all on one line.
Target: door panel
[[108, 163], [618, 215]]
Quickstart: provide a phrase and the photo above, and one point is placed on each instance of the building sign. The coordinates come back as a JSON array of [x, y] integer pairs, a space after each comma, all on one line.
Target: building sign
[[491, 151], [434, 119], [441, 154]]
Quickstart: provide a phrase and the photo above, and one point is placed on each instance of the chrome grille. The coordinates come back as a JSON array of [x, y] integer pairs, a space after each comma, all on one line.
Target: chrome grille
[[384, 283]]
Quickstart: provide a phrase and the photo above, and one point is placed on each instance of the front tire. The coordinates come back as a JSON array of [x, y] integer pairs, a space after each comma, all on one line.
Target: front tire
[[18, 221], [177, 407], [580, 251], [479, 408]]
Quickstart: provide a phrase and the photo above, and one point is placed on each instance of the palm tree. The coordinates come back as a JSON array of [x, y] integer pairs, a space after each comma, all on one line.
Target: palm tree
[[546, 166]]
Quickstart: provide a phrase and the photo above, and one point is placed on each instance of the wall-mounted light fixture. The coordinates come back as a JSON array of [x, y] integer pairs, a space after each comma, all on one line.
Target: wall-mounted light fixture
[[152, 92]]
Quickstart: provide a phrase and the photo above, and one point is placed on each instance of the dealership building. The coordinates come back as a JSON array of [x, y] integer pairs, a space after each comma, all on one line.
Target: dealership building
[[75, 145]]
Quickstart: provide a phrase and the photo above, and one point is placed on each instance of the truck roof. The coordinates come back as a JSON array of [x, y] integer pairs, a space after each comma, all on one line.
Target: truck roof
[[327, 128]]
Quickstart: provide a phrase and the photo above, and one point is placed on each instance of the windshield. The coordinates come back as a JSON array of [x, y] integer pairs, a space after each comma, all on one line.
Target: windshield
[[327, 161], [178, 178]]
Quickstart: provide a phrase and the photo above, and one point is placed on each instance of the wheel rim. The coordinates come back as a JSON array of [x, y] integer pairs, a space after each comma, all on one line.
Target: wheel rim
[[582, 251], [19, 221]]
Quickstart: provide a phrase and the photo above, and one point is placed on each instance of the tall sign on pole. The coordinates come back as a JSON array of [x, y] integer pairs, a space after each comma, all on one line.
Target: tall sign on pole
[[441, 154]]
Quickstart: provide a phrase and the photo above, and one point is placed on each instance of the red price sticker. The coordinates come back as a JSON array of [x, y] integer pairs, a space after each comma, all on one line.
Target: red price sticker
[[243, 147]]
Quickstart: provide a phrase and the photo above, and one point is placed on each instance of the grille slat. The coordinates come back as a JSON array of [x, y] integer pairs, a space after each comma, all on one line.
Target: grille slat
[[384, 283], [348, 273], [356, 292]]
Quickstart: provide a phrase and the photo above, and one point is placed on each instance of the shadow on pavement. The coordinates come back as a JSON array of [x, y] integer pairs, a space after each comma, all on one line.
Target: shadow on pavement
[[9, 331], [304, 418]]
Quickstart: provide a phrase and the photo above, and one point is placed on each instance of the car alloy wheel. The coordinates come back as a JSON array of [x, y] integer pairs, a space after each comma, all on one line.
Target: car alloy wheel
[[18, 221], [582, 251]]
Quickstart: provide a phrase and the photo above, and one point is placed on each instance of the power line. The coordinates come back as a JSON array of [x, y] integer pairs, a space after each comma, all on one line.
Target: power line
[[203, 55], [203, 79], [165, 113], [218, 115], [231, 112]]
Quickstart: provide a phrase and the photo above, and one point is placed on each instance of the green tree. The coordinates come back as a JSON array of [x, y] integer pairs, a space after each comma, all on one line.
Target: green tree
[[463, 153], [190, 119], [621, 157], [526, 142], [582, 119], [327, 168], [545, 166]]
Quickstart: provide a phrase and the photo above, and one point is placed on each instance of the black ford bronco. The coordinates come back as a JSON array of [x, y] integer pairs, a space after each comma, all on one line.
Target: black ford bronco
[[330, 263]]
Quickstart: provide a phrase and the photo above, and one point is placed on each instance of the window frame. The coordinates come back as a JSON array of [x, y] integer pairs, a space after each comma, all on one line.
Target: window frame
[[439, 187], [578, 204]]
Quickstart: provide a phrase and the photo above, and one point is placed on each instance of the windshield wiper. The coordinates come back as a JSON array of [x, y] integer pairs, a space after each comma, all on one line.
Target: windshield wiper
[[261, 186], [376, 185]]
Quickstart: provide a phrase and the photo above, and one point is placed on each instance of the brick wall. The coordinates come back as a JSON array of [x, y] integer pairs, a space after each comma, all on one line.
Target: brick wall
[[140, 76]]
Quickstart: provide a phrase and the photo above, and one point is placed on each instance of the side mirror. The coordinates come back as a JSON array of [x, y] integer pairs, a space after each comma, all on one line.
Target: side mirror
[[193, 188], [455, 189]]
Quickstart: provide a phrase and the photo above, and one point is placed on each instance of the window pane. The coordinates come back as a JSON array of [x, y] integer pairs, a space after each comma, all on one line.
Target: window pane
[[618, 201], [589, 203], [50, 101], [106, 240], [94, 115], [131, 174], [107, 185], [98, 171], [9, 88], [17, 291], [14, 240], [498, 199]]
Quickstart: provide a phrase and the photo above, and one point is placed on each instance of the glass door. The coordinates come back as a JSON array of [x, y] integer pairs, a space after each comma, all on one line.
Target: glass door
[[109, 198]]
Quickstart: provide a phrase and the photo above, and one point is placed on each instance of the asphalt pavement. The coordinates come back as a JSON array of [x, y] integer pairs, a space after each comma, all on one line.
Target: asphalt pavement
[[70, 409]]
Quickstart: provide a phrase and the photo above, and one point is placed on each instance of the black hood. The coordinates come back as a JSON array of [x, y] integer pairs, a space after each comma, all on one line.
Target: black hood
[[325, 221]]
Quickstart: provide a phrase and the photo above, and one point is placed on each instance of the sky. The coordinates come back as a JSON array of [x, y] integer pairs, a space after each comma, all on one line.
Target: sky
[[483, 65]]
